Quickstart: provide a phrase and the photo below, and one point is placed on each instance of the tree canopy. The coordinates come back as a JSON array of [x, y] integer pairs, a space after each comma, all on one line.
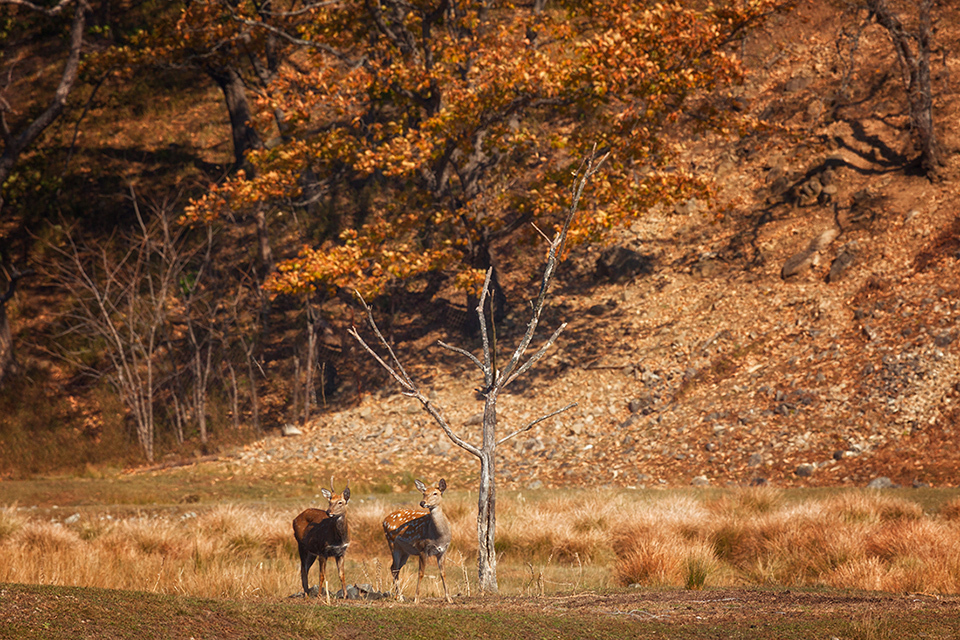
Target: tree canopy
[[419, 131]]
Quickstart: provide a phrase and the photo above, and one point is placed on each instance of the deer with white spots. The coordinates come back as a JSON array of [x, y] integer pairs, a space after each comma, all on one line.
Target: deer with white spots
[[323, 534], [411, 532]]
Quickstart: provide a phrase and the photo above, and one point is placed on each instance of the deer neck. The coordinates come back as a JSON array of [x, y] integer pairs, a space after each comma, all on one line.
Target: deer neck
[[440, 524], [340, 526]]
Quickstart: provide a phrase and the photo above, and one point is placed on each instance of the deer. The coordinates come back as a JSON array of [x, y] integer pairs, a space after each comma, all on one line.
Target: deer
[[411, 532], [323, 534]]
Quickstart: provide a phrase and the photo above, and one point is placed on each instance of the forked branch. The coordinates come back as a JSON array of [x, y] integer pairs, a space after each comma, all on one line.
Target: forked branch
[[410, 388]]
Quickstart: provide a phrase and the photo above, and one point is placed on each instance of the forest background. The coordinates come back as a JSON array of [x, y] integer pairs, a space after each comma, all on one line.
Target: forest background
[[759, 285]]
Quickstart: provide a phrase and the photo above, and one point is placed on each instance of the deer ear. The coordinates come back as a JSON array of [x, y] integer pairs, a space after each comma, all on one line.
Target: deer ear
[[442, 486], [346, 494], [326, 493], [420, 486]]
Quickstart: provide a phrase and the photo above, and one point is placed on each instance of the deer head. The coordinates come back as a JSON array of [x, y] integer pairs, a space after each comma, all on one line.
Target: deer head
[[337, 502], [431, 495]]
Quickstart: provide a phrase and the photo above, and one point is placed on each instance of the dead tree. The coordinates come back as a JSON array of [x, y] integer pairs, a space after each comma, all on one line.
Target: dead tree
[[124, 301], [913, 52], [494, 382]]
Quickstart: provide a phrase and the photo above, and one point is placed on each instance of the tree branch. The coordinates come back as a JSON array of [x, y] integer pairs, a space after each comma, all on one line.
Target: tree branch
[[410, 388], [588, 168], [535, 423]]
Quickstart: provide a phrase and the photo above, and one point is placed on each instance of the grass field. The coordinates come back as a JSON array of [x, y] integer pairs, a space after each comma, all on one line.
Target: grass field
[[119, 533], [42, 612]]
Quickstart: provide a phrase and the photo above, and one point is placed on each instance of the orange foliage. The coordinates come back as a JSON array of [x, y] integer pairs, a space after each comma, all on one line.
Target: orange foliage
[[451, 122]]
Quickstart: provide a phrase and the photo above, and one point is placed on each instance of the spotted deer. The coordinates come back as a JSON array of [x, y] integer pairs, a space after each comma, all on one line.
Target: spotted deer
[[411, 532], [323, 534]]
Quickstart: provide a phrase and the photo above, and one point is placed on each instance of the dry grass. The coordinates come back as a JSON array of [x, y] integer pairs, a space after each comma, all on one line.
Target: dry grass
[[861, 540]]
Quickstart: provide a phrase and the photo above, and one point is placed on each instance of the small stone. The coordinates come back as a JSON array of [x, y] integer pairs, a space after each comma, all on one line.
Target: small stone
[[805, 470], [882, 482]]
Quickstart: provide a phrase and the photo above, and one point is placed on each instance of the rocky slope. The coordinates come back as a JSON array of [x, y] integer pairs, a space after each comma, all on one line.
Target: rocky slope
[[800, 331]]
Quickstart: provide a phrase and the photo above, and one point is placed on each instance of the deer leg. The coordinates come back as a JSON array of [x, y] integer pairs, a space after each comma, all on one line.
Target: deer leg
[[322, 561], [443, 578], [343, 582], [306, 561], [420, 566], [399, 559]]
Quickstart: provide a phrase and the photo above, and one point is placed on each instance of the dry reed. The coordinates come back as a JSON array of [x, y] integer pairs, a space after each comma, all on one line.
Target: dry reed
[[589, 540]]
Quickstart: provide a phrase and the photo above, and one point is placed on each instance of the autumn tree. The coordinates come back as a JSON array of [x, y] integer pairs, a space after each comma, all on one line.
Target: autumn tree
[[236, 45], [420, 132], [496, 379]]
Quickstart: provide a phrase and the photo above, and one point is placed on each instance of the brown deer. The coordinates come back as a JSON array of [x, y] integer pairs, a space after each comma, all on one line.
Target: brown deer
[[411, 532], [323, 534]]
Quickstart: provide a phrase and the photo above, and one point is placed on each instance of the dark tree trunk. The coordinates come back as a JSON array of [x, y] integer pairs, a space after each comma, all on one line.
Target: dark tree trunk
[[913, 50], [245, 136], [8, 360], [17, 143], [8, 363]]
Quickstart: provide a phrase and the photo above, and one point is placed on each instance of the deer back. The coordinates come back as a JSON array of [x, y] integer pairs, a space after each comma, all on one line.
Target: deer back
[[322, 532], [420, 531]]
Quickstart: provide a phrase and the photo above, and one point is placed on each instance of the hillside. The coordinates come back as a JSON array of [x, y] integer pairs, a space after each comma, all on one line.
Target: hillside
[[703, 364], [690, 355]]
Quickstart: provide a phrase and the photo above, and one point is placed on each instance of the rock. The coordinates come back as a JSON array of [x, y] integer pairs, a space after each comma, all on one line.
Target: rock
[[843, 261], [809, 192], [649, 378], [620, 263], [700, 481], [755, 460], [882, 482], [800, 262], [805, 470], [640, 403], [291, 430], [442, 447], [72, 519]]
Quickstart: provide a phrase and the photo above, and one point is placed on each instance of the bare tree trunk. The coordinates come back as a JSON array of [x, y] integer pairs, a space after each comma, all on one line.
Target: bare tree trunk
[[487, 501], [913, 51], [254, 397], [495, 379], [245, 137], [267, 264], [234, 396]]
